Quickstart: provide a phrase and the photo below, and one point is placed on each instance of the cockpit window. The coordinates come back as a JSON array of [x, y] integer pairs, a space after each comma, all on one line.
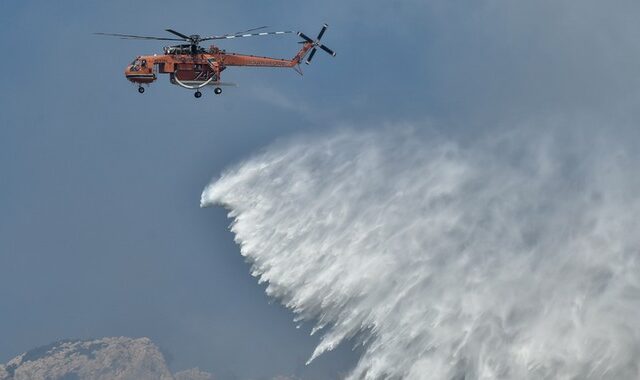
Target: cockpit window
[[135, 65]]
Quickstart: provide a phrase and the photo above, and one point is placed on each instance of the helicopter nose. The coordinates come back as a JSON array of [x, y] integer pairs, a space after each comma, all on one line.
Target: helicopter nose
[[129, 72], [137, 74]]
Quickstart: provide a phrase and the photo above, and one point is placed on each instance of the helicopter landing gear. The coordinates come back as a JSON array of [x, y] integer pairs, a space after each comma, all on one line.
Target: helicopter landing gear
[[141, 90], [197, 94], [217, 91]]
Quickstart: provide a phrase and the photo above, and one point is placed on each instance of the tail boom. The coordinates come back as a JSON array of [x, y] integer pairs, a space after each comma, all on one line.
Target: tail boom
[[231, 59]]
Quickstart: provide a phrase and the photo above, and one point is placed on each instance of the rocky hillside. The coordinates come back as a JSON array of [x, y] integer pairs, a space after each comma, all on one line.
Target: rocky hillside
[[101, 359]]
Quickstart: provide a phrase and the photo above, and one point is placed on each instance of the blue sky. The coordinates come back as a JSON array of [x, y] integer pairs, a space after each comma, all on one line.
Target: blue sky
[[101, 233]]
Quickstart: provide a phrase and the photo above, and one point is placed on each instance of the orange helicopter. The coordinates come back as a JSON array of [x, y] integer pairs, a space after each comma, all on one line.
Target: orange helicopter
[[193, 67]]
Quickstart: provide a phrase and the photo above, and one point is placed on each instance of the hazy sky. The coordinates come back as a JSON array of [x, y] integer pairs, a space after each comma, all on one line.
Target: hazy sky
[[101, 233]]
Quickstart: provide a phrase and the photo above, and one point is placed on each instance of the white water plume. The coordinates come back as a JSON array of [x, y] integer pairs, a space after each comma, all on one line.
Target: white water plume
[[514, 257]]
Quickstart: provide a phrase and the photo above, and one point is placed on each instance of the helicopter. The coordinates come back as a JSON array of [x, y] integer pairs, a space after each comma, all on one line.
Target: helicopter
[[193, 67]]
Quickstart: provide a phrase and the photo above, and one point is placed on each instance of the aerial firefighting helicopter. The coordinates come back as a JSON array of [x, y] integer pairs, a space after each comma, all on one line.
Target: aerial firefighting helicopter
[[193, 67]]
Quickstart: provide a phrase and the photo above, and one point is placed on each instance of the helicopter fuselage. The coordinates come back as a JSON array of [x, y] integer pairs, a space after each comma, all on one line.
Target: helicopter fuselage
[[192, 67], [196, 70]]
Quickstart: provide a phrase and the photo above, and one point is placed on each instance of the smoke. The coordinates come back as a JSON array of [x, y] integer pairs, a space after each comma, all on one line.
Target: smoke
[[509, 257]]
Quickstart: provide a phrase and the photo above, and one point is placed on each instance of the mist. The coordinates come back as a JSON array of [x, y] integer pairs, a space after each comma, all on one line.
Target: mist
[[514, 255]]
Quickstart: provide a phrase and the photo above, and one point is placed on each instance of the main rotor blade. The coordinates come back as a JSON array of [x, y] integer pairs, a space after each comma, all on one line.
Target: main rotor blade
[[327, 50], [243, 32], [134, 37], [178, 34], [227, 37], [248, 30], [313, 52], [305, 37], [324, 29]]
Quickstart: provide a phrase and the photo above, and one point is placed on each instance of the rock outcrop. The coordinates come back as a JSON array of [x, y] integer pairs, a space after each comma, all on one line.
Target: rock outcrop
[[101, 359]]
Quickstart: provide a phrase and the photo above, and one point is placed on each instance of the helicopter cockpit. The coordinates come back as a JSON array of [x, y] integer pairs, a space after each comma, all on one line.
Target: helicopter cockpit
[[137, 64]]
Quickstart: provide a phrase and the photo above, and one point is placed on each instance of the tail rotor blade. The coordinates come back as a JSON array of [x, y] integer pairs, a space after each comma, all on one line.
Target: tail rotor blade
[[313, 52], [315, 44], [324, 28], [327, 50], [305, 37]]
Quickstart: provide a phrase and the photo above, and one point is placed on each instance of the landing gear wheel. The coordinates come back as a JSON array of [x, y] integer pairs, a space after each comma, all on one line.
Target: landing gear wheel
[[218, 91], [197, 94], [141, 90]]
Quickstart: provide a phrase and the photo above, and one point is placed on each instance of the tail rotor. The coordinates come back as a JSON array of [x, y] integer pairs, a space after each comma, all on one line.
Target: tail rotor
[[316, 44]]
